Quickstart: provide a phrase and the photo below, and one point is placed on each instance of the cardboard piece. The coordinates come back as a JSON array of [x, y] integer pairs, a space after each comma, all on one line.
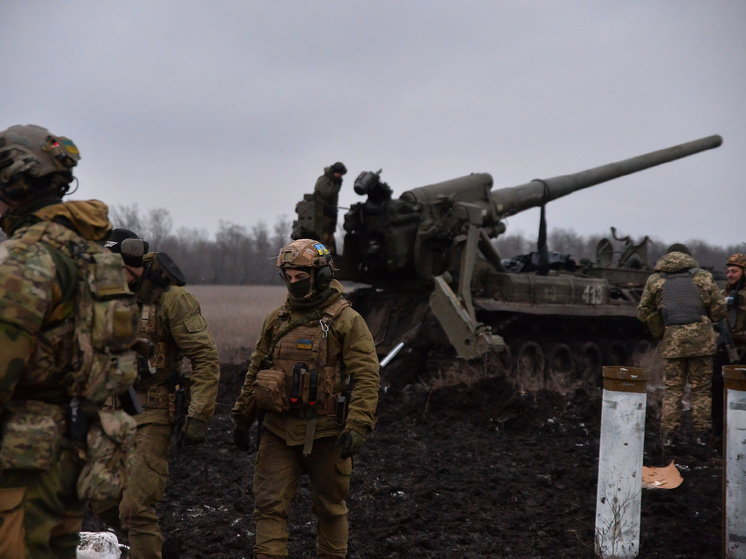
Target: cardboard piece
[[661, 478]]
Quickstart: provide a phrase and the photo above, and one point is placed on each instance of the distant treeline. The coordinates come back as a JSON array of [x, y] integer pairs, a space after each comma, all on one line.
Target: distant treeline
[[240, 255]]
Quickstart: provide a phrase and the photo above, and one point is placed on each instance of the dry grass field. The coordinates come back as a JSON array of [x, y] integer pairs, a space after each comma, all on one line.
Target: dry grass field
[[235, 314]]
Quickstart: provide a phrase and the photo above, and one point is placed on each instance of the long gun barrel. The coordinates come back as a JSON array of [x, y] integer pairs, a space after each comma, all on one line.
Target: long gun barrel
[[511, 200], [413, 233]]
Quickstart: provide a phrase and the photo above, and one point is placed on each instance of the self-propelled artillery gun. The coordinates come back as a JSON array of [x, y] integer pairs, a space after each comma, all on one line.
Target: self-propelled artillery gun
[[431, 274]]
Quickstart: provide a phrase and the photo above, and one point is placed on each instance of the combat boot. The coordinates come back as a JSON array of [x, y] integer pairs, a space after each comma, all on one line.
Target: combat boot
[[656, 451], [702, 448]]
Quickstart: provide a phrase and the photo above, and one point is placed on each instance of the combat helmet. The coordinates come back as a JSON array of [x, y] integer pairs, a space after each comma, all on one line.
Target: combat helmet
[[129, 245], [310, 255], [737, 259], [340, 168], [34, 162]]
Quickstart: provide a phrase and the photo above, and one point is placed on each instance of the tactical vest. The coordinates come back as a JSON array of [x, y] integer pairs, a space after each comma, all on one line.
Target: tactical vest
[[313, 375], [86, 340], [168, 356], [681, 303]]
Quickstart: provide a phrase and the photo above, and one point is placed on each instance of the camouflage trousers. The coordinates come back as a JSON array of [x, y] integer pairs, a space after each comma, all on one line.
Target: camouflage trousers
[[135, 513], [698, 371], [277, 471], [40, 511]]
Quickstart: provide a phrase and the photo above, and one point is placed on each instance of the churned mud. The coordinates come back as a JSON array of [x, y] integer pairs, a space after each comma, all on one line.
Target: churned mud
[[457, 472]]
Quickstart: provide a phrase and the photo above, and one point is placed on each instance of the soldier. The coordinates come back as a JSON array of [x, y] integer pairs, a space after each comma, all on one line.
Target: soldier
[[314, 380], [171, 319], [326, 191], [683, 301], [735, 301], [51, 269]]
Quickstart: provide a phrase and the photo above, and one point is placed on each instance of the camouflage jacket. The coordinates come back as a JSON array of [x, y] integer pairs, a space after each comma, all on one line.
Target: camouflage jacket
[[349, 338], [176, 327], [327, 190], [37, 296], [737, 317], [683, 340]]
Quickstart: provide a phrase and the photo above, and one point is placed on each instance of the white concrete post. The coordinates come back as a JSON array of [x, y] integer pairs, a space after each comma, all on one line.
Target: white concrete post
[[734, 462], [619, 495]]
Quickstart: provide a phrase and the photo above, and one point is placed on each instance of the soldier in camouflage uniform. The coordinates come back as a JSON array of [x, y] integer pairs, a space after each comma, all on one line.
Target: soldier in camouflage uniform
[[171, 320], [683, 300], [42, 294], [326, 191], [314, 379], [734, 295]]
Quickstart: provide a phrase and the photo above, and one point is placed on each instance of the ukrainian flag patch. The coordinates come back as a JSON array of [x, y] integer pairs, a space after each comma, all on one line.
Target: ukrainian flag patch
[[305, 344], [69, 146]]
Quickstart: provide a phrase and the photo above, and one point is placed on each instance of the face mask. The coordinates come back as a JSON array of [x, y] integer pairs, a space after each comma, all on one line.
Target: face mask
[[299, 289]]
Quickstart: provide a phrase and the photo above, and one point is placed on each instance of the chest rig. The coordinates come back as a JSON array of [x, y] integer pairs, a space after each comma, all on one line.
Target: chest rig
[[313, 376], [167, 355]]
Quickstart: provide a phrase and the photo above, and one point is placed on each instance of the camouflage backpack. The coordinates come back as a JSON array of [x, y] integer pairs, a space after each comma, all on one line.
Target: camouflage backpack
[[87, 345], [88, 338]]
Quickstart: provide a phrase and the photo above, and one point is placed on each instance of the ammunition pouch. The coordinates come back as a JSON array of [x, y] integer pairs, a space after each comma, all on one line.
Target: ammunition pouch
[[144, 371], [342, 407], [32, 436], [108, 457], [155, 398], [269, 389]]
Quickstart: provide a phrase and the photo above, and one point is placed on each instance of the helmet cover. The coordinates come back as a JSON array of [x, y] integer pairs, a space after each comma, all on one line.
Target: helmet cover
[[737, 259], [304, 253]]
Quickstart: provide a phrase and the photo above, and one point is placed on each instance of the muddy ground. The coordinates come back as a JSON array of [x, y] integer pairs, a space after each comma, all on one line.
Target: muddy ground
[[463, 472]]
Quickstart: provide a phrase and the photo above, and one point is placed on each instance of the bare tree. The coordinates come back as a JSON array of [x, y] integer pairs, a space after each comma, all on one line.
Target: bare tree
[[158, 227], [241, 255], [126, 217]]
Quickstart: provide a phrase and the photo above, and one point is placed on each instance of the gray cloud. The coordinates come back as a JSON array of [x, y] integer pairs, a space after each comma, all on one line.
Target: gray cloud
[[230, 110]]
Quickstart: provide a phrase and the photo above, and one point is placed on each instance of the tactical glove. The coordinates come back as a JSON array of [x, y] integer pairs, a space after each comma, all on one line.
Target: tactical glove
[[195, 431], [241, 438], [243, 419], [350, 443]]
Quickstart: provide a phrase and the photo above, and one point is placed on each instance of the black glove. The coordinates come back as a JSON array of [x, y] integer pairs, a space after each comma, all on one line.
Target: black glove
[[350, 443], [241, 439]]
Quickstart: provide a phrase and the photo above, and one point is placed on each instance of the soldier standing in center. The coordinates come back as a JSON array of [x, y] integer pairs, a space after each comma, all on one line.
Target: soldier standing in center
[[314, 380], [326, 191], [684, 300], [171, 320]]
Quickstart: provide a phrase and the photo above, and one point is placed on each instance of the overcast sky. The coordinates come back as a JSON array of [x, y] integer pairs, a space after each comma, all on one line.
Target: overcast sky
[[230, 110]]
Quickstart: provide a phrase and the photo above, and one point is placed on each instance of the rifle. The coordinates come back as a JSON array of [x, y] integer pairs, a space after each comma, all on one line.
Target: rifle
[[175, 387], [726, 340]]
